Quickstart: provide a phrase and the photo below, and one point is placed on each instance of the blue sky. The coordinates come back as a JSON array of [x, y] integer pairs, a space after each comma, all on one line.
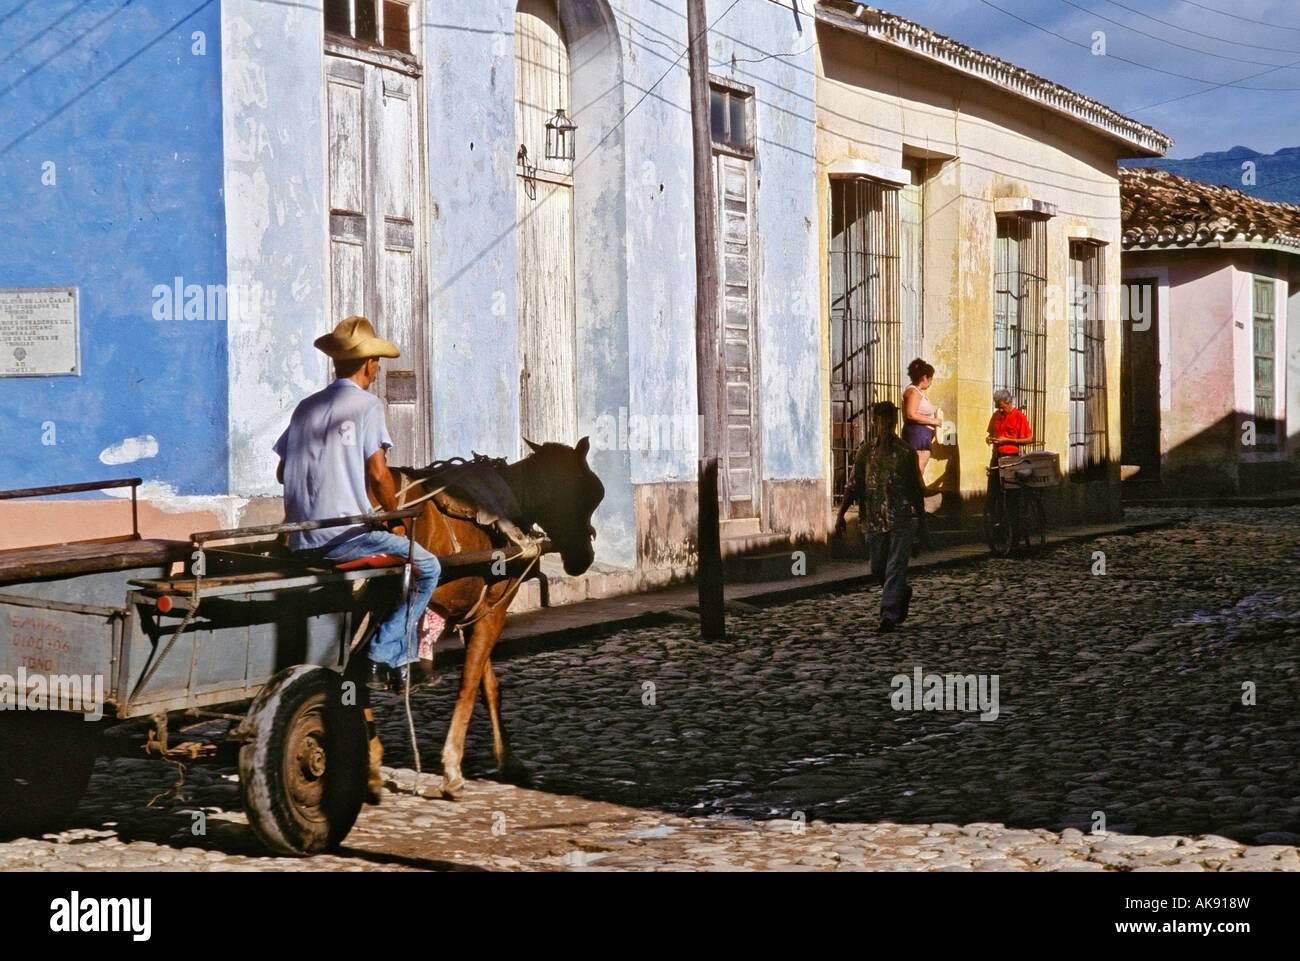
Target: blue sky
[[1218, 47]]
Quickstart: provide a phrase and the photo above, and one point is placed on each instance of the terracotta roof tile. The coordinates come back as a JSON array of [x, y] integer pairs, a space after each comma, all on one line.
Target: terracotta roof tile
[[1161, 209]]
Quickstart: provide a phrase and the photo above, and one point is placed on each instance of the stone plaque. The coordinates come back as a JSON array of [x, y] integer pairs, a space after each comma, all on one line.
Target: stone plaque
[[38, 332]]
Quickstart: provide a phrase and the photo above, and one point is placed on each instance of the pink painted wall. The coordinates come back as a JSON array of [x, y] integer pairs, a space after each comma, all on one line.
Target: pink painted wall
[[28, 523], [1207, 348], [1198, 428]]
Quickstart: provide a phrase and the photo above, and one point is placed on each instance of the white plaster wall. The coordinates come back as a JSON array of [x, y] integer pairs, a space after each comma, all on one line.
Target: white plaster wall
[[276, 225]]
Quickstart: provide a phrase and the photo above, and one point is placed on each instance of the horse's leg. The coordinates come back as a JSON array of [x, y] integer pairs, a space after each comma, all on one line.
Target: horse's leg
[[481, 638], [508, 765]]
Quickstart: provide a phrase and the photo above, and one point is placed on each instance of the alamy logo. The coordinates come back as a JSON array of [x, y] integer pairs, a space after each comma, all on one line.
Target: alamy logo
[[181, 301], [946, 692], [73, 915], [75, 693]]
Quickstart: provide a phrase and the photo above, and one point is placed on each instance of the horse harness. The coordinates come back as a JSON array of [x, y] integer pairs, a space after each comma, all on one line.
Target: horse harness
[[456, 509]]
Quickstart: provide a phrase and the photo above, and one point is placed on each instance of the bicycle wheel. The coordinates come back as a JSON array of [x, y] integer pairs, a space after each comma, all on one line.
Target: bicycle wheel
[[1033, 521], [997, 527]]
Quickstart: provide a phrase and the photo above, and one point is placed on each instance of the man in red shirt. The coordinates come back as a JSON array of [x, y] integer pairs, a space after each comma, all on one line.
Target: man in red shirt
[[1008, 427]]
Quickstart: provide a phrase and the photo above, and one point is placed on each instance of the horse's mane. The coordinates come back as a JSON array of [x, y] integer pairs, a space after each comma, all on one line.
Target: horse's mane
[[442, 466]]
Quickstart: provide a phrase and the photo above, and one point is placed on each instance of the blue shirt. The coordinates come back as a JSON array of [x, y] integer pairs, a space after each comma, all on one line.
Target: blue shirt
[[330, 437]]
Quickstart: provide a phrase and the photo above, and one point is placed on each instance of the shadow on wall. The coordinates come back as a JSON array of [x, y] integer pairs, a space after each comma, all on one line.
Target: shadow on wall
[[1234, 455]]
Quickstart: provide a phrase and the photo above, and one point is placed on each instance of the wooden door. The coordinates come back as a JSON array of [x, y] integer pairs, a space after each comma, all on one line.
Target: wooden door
[[1140, 383], [376, 264], [548, 336], [737, 343]]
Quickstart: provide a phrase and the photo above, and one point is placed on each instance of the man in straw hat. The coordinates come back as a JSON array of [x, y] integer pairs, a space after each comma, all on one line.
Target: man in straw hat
[[333, 463]]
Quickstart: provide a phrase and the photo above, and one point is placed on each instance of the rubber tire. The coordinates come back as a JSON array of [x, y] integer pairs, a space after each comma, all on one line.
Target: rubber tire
[[1033, 522], [997, 534], [45, 765], [300, 713]]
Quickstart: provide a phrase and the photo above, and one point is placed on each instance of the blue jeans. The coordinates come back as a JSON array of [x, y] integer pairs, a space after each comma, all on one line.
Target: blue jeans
[[395, 643], [889, 552]]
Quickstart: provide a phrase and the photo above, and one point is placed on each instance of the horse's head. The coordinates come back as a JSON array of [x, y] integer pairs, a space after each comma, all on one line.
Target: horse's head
[[562, 493]]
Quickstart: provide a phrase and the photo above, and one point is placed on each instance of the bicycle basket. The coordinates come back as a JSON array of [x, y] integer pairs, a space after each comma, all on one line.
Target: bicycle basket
[[1035, 469]]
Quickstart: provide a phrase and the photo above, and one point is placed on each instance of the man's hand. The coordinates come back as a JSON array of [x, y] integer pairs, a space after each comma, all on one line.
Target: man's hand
[[840, 525], [279, 473]]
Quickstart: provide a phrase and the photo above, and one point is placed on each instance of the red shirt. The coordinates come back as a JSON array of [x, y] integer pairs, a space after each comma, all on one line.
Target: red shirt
[[1013, 424]]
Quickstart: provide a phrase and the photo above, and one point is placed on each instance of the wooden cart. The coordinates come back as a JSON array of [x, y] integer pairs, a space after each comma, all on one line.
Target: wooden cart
[[226, 625]]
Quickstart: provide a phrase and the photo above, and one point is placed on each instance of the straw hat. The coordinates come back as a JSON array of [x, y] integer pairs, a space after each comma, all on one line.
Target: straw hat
[[354, 339]]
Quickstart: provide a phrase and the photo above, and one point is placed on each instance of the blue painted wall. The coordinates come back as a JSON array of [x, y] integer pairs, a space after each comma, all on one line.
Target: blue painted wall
[[113, 95]]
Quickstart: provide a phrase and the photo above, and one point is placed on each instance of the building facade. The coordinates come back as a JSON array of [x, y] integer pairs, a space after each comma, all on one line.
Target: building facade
[[194, 195], [1211, 378], [970, 217], [222, 185]]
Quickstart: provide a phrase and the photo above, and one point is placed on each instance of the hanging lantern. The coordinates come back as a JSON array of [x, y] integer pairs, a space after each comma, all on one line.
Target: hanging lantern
[[560, 132]]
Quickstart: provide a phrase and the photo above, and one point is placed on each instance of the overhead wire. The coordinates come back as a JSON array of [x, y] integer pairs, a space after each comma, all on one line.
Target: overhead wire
[[1172, 43], [1170, 73], [1237, 16], [1198, 33]]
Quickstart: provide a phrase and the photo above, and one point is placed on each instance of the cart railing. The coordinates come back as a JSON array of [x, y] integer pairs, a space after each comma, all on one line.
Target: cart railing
[[131, 482], [463, 564], [238, 533]]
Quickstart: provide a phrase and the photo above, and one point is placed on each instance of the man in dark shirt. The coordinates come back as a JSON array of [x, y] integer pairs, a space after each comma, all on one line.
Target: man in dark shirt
[[887, 489]]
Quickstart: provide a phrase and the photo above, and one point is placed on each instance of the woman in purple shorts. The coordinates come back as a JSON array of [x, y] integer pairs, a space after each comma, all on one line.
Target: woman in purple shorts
[[919, 421]]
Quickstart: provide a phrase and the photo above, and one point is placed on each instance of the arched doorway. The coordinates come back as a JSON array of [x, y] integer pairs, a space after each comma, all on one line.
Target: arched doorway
[[548, 406]]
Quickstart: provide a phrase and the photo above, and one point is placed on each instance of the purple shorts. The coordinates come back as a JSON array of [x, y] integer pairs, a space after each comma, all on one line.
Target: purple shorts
[[918, 436]]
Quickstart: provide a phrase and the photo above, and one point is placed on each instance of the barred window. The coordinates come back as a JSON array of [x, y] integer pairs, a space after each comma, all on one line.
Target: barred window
[[1089, 444], [1265, 363], [381, 23], [731, 118], [1019, 324], [865, 321]]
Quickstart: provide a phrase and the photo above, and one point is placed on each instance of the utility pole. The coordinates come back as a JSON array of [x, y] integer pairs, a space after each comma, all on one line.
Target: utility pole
[[708, 541]]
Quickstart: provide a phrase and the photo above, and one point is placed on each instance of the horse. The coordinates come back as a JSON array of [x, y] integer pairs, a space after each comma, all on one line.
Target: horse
[[554, 489]]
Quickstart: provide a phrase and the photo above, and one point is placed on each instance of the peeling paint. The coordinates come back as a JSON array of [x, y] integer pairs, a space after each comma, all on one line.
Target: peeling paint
[[129, 450]]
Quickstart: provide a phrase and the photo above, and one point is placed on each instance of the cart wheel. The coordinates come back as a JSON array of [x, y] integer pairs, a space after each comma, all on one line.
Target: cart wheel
[[303, 773], [45, 764]]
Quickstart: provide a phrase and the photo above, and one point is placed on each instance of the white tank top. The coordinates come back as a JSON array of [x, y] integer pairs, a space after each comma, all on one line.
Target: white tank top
[[924, 408]]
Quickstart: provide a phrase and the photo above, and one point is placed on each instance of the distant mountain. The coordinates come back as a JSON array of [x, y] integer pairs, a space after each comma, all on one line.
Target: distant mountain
[[1277, 175]]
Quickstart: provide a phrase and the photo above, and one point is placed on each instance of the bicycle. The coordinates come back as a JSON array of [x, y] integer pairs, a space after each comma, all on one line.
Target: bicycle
[[1014, 512]]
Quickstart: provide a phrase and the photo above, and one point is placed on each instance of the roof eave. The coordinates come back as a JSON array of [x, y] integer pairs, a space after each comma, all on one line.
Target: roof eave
[[1285, 248], [1152, 143]]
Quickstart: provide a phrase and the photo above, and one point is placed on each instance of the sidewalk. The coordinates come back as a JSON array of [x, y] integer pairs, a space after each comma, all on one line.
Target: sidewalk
[[1288, 497], [571, 623]]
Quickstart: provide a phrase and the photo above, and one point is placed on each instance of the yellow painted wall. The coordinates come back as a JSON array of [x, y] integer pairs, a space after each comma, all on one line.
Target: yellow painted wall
[[882, 106]]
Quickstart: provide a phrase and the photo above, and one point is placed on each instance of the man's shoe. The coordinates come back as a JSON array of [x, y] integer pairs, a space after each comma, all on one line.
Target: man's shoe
[[418, 676], [422, 676], [377, 677], [886, 626], [397, 678]]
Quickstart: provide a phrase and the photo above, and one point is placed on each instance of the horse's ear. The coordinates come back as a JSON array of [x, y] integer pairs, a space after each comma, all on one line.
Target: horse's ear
[[583, 446], [535, 448]]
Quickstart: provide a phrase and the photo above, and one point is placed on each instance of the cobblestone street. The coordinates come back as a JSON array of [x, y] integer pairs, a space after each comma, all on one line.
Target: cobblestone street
[[1119, 706]]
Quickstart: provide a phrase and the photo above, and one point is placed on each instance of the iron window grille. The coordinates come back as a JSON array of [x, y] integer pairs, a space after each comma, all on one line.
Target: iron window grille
[[1264, 362], [865, 314], [1019, 321], [1089, 440]]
